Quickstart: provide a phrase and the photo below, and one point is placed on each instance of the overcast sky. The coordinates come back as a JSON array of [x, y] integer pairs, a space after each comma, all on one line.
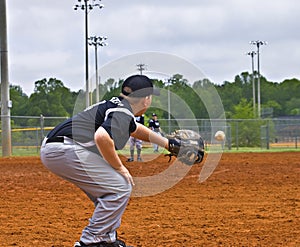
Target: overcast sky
[[46, 38]]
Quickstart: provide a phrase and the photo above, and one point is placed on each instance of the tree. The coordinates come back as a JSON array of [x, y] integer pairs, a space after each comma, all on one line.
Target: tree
[[248, 132], [19, 100], [287, 90], [19, 105], [231, 95], [293, 106], [51, 98], [271, 109], [243, 110]]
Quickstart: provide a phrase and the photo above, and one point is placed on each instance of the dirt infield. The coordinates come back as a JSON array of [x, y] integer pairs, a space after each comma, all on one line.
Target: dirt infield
[[252, 199]]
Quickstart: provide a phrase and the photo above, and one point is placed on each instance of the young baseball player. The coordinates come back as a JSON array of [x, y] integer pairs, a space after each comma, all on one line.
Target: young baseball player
[[83, 148], [136, 143], [154, 125]]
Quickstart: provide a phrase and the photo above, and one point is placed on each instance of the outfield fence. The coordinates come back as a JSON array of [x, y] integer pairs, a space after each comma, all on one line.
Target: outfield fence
[[265, 134]]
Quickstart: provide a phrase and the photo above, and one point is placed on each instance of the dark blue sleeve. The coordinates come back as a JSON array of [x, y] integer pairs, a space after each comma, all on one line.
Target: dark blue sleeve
[[119, 126], [151, 122]]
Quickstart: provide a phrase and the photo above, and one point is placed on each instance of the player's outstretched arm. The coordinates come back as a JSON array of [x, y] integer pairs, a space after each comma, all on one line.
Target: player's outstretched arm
[[145, 134]]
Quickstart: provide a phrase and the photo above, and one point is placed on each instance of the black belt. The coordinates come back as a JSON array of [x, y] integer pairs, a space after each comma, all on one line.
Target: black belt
[[55, 139]]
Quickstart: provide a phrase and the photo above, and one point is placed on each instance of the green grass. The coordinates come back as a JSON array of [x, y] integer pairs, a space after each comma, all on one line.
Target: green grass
[[24, 151], [35, 151], [259, 150]]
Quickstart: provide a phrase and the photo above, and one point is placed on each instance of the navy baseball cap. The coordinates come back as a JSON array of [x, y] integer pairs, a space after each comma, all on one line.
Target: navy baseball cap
[[139, 86]]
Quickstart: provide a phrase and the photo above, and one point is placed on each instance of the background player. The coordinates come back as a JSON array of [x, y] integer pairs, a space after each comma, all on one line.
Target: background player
[[134, 142], [154, 125]]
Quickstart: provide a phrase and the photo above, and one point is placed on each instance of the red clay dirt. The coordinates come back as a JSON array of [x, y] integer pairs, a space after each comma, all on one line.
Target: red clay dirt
[[252, 199]]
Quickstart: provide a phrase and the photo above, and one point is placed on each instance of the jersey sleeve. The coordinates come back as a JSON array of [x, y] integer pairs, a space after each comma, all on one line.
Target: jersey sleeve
[[150, 125], [119, 126]]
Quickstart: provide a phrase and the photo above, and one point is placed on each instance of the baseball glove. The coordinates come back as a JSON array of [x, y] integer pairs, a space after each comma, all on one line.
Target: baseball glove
[[187, 146]]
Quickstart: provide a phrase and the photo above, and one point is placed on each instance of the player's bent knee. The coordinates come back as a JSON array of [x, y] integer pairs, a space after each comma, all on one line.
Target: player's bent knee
[[124, 188]]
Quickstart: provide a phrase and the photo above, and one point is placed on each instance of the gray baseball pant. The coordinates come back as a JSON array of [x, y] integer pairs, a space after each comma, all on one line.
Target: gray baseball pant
[[109, 190]]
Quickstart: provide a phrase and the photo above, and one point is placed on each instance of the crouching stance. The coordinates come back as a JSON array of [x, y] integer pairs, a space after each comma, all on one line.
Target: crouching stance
[[82, 150]]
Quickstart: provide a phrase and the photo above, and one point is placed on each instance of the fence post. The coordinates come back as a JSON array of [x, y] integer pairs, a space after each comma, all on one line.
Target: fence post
[[267, 135], [237, 135], [37, 140], [42, 125], [228, 133]]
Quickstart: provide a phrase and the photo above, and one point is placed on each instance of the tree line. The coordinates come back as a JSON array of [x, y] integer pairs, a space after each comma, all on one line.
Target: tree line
[[52, 99]]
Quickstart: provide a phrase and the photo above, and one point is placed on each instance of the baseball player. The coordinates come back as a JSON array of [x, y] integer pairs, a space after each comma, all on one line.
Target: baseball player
[[154, 125], [82, 150], [134, 142]]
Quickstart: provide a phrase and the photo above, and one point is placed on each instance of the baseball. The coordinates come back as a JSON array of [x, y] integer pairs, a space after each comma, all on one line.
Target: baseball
[[220, 135]]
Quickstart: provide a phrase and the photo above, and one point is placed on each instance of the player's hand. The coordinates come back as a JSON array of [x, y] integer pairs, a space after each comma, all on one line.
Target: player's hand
[[187, 145], [126, 174]]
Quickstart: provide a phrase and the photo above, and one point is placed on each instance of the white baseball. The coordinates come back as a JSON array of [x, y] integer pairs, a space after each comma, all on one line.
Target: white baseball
[[220, 135]]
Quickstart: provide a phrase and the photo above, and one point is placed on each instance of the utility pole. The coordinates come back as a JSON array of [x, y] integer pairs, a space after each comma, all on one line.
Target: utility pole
[[258, 43], [141, 67], [87, 7], [252, 54], [5, 99], [97, 41]]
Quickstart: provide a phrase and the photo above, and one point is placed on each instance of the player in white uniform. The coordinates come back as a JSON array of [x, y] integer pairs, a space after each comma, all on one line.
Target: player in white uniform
[[136, 143], [83, 148]]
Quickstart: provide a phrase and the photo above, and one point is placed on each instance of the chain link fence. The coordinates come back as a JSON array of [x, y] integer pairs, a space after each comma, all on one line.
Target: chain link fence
[[278, 133]]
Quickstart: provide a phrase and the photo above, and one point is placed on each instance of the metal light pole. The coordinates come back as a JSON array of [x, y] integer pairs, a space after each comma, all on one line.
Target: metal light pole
[[97, 41], [5, 99], [87, 7], [169, 83], [252, 54], [258, 43], [169, 108]]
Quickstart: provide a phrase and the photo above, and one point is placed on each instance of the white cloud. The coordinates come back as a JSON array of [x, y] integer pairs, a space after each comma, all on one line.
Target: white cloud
[[46, 38]]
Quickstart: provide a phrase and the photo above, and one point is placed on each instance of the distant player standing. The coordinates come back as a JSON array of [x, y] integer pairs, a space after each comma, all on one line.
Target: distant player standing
[[134, 142], [82, 150], [154, 125]]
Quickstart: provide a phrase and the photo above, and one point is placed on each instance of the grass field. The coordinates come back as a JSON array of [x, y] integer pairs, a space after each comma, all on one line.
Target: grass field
[[147, 149]]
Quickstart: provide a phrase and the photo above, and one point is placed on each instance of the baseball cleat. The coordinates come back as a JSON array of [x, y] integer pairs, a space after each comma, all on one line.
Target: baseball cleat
[[118, 243], [80, 244]]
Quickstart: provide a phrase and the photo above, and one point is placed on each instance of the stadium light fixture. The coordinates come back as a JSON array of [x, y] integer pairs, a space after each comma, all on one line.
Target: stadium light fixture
[[258, 43], [97, 41], [87, 6]]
